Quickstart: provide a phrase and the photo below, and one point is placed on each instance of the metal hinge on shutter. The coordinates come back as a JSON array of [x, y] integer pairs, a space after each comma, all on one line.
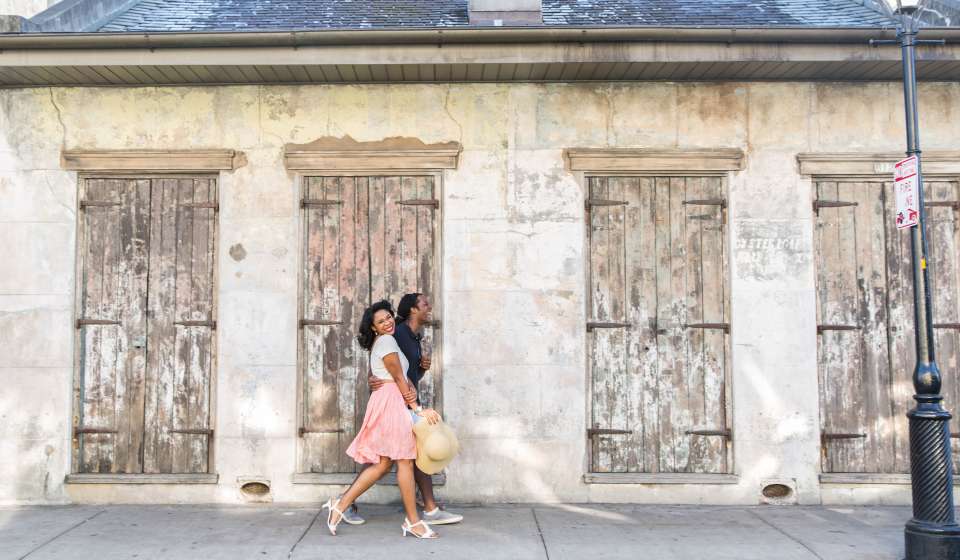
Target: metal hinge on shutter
[[210, 324], [708, 432], [591, 202], [303, 431], [194, 431], [432, 203], [307, 202], [954, 326], [87, 322], [80, 430], [211, 205], [824, 436], [725, 327], [948, 203], [88, 203], [822, 328], [721, 202], [594, 432], [601, 325], [818, 204], [317, 322]]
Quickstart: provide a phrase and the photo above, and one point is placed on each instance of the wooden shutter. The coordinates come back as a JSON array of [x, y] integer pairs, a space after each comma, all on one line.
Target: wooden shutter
[[865, 320], [115, 216], [145, 322], [180, 341], [658, 325], [366, 239]]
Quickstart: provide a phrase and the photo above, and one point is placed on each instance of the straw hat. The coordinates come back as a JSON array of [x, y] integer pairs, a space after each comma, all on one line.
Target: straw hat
[[436, 446]]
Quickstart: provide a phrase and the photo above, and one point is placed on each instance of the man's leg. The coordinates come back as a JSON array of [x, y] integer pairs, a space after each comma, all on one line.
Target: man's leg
[[432, 514], [425, 484]]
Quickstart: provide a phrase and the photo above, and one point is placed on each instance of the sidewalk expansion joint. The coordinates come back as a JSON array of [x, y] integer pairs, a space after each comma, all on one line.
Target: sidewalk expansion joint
[[60, 534], [540, 532], [784, 533], [304, 534]]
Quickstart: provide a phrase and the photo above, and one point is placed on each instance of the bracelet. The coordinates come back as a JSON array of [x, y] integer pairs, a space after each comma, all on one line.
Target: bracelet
[[419, 409]]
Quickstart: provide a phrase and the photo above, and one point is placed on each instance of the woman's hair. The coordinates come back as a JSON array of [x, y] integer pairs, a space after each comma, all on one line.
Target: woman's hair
[[366, 336], [407, 302]]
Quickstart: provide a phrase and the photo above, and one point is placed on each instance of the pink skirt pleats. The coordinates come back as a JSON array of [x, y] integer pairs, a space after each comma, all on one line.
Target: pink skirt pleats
[[387, 429]]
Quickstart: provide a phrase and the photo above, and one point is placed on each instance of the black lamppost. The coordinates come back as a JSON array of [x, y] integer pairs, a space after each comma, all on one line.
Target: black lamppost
[[932, 533]]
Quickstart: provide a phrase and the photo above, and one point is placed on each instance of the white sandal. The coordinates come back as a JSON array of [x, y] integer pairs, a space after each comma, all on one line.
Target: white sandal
[[427, 534], [332, 507]]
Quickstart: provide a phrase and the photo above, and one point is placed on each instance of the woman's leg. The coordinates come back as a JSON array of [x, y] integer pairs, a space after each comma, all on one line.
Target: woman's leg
[[408, 492], [367, 478]]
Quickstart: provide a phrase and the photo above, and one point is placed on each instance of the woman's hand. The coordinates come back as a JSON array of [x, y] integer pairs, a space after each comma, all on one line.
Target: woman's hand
[[409, 395], [431, 415]]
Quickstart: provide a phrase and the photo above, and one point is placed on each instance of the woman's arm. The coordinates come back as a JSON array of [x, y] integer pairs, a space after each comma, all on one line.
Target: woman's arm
[[392, 363]]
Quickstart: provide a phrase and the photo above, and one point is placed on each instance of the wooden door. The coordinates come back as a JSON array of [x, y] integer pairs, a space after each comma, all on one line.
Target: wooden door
[[658, 325], [145, 325], [366, 238], [865, 320]]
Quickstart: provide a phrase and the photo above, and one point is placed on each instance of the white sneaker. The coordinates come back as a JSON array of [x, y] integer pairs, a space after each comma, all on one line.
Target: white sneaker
[[441, 517], [352, 517]]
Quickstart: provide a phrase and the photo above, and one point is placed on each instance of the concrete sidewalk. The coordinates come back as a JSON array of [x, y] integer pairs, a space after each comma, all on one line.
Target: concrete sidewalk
[[552, 532]]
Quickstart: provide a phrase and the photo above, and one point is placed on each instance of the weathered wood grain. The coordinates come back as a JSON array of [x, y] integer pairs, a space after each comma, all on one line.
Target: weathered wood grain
[[943, 229], [367, 247], [657, 379], [864, 278], [148, 261]]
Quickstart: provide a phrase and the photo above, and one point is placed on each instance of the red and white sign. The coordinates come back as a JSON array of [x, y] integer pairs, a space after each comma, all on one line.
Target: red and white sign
[[906, 193]]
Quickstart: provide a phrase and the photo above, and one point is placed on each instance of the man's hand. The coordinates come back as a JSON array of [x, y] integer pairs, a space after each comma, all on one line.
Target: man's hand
[[374, 382], [425, 363]]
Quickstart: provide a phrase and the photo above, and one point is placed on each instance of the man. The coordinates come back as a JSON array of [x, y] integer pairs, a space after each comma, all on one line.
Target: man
[[412, 314]]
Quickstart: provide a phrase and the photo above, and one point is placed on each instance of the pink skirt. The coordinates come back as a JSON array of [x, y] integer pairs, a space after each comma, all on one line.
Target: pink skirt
[[387, 429]]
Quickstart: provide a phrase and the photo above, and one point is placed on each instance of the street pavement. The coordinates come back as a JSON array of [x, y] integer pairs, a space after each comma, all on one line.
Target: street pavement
[[520, 532]]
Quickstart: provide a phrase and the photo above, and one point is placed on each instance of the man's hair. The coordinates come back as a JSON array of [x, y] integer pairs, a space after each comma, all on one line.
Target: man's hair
[[407, 302]]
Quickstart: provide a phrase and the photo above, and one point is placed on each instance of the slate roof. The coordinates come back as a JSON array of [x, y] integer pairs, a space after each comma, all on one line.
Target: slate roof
[[264, 15]]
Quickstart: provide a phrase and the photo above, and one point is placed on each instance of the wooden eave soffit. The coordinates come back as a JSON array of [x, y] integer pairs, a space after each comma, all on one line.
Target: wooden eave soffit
[[151, 160], [838, 164], [601, 160], [346, 154]]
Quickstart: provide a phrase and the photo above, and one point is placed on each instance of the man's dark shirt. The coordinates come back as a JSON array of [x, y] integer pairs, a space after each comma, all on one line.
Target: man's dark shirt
[[409, 343]]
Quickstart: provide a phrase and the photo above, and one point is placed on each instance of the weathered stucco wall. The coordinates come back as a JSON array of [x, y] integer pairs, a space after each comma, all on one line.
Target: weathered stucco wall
[[513, 269]]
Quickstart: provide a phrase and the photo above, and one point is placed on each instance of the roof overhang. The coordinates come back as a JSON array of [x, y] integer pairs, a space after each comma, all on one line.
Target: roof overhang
[[467, 55]]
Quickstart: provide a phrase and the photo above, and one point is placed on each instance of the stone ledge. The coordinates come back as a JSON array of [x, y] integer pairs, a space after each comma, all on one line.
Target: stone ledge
[[869, 478], [347, 478], [106, 478], [660, 478], [642, 160]]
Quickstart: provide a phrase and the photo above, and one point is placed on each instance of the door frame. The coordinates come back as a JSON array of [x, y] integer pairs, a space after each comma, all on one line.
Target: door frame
[[877, 167], [75, 475], [590, 475], [300, 179]]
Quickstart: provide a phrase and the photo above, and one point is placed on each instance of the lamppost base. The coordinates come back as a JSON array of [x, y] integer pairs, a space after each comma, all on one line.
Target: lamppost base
[[930, 541]]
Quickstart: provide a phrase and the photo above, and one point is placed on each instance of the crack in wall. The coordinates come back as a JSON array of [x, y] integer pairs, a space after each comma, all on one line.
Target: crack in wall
[[446, 108], [63, 125]]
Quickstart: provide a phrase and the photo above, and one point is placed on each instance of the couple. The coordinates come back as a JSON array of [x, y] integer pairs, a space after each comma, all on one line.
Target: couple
[[396, 365]]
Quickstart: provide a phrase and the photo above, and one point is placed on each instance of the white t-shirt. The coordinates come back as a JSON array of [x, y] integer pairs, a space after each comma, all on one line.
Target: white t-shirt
[[382, 347]]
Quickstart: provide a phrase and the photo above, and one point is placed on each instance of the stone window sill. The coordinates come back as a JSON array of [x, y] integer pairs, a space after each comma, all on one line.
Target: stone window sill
[[660, 478], [347, 478], [142, 478], [868, 478]]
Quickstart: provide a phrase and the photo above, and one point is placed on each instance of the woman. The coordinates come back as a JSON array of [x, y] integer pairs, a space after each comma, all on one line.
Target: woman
[[387, 431]]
